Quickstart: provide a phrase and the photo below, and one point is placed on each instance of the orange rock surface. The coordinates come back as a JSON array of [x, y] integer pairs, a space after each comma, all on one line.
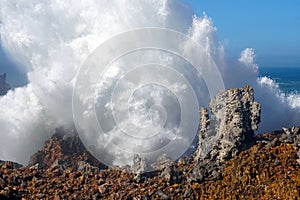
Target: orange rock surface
[[265, 171]]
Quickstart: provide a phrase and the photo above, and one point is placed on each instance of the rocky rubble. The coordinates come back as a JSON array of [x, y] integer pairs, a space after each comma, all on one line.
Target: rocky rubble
[[248, 166], [260, 172], [4, 87]]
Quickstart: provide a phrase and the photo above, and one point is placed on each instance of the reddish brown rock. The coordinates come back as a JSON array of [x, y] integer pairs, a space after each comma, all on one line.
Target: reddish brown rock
[[66, 148]]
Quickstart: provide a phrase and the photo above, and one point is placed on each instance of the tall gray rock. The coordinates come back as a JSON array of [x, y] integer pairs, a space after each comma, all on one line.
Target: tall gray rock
[[4, 87], [138, 167], [230, 127], [225, 129]]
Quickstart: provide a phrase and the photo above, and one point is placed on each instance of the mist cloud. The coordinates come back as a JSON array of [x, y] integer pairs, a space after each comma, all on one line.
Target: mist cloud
[[53, 38]]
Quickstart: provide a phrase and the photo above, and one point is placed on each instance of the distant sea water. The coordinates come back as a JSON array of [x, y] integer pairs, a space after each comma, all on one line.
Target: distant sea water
[[288, 78]]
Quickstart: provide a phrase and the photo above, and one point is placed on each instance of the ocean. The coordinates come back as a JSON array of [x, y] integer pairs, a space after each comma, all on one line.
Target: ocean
[[288, 78]]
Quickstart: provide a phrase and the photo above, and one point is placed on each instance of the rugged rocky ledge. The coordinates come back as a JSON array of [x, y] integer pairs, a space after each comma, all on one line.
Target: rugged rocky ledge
[[231, 162]]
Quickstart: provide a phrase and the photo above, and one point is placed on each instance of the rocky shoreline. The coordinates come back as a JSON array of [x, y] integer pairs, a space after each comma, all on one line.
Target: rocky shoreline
[[268, 169], [230, 162]]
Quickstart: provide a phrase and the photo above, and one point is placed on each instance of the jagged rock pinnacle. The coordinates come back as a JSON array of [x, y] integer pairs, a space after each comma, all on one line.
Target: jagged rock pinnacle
[[235, 116], [230, 128]]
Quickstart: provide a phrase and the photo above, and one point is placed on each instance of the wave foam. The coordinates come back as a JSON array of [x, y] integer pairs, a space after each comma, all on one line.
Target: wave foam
[[53, 38]]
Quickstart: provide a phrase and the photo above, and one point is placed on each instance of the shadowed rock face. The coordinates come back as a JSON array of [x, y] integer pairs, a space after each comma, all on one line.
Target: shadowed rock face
[[4, 87], [230, 127], [66, 149]]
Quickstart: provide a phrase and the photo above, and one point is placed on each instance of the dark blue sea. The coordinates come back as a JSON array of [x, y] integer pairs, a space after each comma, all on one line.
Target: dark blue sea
[[288, 78]]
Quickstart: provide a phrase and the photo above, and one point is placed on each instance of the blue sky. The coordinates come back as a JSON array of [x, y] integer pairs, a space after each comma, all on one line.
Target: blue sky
[[15, 77], [271, 27]]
